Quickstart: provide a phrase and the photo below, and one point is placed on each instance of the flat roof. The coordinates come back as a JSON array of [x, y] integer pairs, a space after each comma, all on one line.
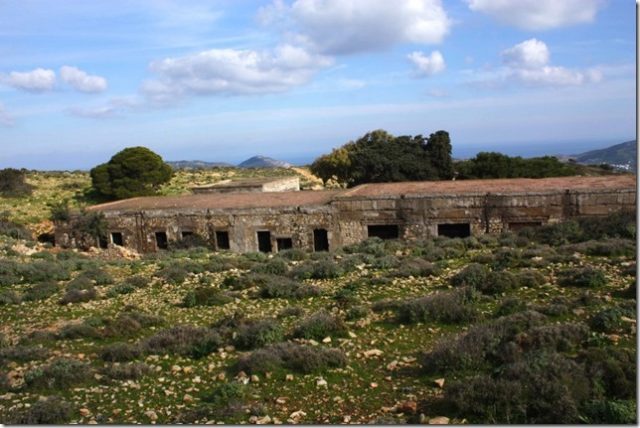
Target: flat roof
[[502, 185], [245, 182], [372, 190], [221, 201]]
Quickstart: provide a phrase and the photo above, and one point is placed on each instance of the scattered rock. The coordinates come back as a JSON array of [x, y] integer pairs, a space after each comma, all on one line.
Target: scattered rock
[[321, 382], [326, 339], [255, 378], [373, 385], [221, 376], [151, 415], [187, 398], [85, 412], [439, 420], [281, 400], [439, 382], [263, 420], [288, 377], [372, 353], [393, 365], [408, 406]]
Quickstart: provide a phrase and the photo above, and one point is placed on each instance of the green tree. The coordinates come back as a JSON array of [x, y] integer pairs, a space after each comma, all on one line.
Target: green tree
[[135, 171], [334, 166], [438, 150]]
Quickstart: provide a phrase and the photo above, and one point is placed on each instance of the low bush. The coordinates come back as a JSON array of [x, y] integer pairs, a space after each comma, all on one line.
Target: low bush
[[51, 410], [291, 311], [510, 306], [611, 320], [79, 283], [611, 412], [227, 395], [43, 270], [582, 277], [417, 268], [22, 353], [450, 307], [9, 272], [61, 373], [130, 371], [257, 334], [357, 312], [78, 331], [122, 288], [473, 275], [292, 356], [281, 287], [321, 269], [374, 246], [506, 258], [9, 297], [78, 296], [173, 274], [498, 282], [98, 275], [120, 351], [612, 370], [275, 266], [40, 291], [346, 295], [185, 340], [295, 254], [385, 305], [320, 325], [205, 296], [530, 278]]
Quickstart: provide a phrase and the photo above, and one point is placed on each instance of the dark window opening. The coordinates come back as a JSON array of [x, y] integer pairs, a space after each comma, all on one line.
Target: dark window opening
[[116, 238], [454, 230], [47, 238], [284, 243], [161, 240], [222, 240], [264, 242], [102, 242], [518, 225], [320, 240], [186, 234], [384, 231]]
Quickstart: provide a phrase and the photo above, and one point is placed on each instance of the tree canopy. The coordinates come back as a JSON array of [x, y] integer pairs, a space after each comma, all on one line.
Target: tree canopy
[[134, 171], [379, 157], [13, 184], [497, 165]]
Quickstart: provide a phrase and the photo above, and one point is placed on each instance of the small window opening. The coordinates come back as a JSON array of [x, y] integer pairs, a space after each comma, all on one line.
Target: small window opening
[[264, 242], [222, 240], [284, 243], [116, 238], [102, 242], [320, 240], [454, 230], [186, 234], [47, 238], [384, 231], [161, 240]]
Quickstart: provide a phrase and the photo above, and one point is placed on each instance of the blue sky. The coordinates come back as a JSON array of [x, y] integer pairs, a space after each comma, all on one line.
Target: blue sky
[[222, 80]]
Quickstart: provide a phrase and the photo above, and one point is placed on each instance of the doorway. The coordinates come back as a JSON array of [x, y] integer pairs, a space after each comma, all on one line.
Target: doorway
[[264, 241]]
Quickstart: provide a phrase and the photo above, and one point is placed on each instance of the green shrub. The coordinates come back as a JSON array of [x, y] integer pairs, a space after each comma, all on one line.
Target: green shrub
[[582, 277], [12, 229], [417, 268], [51, 410], [498, 282], [374, 246], [386, 305], [9, 272], [357, 312], [473, 275], [225, 394], [275, 266], [40, 291], [120, 351], [78, 296], [9, 297], [320, 325], [78, 331], [321, 269], [128, 371], [257, 334], [610, 320], [506, 258], [61, 373], [450, 307], [510, 306], [611, 412], [183, 340], [42, 270], [612, 370], [205, 296], [22, 353], [292, 356], [281, 287], [79, 283], [98, 275], [122, 288], [291, 311], [173, 274], [530, 278]]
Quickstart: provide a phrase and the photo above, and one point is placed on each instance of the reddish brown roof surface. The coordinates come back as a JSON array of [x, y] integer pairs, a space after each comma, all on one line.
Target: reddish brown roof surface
[[222, 201], [508, 185], [322, 197]]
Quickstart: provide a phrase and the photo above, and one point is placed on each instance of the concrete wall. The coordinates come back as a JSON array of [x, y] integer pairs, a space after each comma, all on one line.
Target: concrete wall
[[347, 219]]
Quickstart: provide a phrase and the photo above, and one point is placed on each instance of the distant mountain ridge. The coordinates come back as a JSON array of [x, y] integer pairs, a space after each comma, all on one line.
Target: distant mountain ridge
[[620, 156], [253, 162]]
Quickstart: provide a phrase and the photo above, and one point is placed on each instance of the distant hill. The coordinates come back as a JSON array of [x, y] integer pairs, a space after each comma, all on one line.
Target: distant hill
[[263, 162], [621, 156], [196, 164]]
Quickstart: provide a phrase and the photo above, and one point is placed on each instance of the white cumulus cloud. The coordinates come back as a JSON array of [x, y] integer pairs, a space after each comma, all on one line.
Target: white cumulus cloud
[[336, 27], [232, 72], [82, 81], [38, 80], [531, 53], [427, 65], [539, 14]]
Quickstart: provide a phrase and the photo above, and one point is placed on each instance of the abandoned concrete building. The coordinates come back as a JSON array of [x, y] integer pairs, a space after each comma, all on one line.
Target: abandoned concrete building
[[329, 219]]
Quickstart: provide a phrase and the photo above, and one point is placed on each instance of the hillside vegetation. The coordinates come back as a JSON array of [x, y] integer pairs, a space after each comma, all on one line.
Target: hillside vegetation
[[534, 327]]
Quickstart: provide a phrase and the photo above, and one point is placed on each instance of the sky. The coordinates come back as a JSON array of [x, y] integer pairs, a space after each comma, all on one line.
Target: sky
[[223, 80]]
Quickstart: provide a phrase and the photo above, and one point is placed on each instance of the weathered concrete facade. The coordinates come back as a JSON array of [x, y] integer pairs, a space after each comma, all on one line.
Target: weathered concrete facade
[[314, 220], [251, 185]]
